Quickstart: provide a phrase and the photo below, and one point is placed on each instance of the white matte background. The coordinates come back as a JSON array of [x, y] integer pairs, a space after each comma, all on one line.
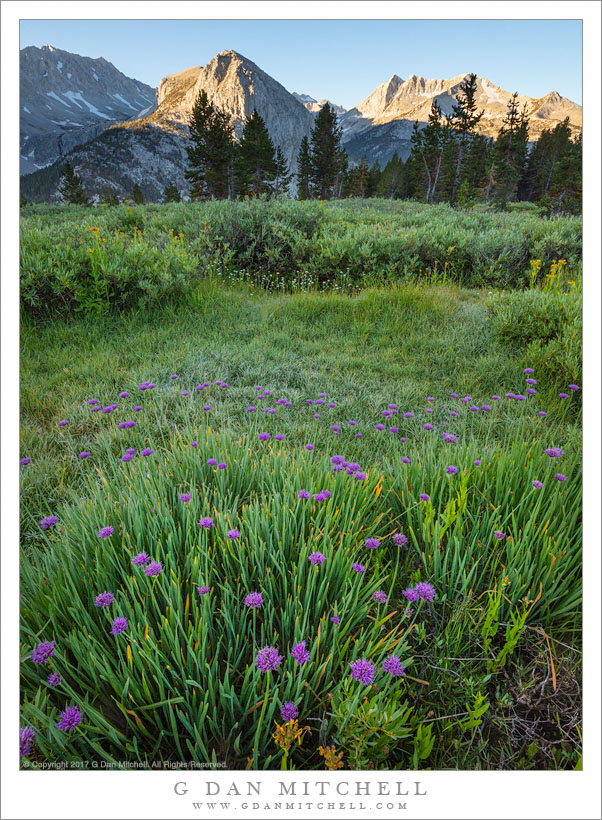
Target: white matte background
[[451, 794]]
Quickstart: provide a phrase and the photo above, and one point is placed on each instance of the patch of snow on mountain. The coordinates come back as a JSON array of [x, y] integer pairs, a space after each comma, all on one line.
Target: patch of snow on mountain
[[125, 102], [25, 108], [95, 75], [59, 65], [57, 98], [69, 75], [77, 96]]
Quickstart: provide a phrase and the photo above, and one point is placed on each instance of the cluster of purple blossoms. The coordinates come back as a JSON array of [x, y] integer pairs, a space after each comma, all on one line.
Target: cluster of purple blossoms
[[304, 494], [560, 477], [264, 436], [24, 461], [153, 569], [451, 470], [268, 659], [317, 558], [421, 591], [554, 452], [104, 599], [125, 425], [379, 596], [424, 497], [254, 600], [336, 620], [105, 532], [399, 539], [70, 718], [322, 495], [427, 427], [288, 711], [185, 497], [26, 736], [203, 590], [141, 559], [359, 568], [109, 408], [119, 626], [63, 423], [449, 438], [362, 671], [84, 454], [147, 452], [43, 652], [53, 679], [233, 534], [206, 523], [537, 484], [499, 535], [146, 386], [393, 666], [372, 543], [300, 653], [48, 522]]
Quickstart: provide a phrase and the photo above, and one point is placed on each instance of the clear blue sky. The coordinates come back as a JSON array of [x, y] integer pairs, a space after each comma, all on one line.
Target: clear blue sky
[[342, 60]]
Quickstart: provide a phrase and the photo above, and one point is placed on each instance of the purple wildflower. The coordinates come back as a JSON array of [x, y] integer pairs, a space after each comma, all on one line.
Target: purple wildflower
[[280, 437], [393, 429], [449, 438], [335, 429], [104, 599], [92, 401], [425, 591], [43, 652], [137, 408], [309, 447], [212, 462], [560, 476], [185, 497], [372, 543], [411, 594], [424, 497], [454, 395], [70, 718], [406, 460], [379, 596], [53, 679], [84, 454], [337, 460], [254, 600], [206, 523], [48, 522], [362, 671], [141, 559], [453, 413], [119, 626], [105, 532], [289, 711], [233, 534], [26, 736], [359, 568], [542, 413], [554, 452], [486, 407], [317, 558], [393, 666], [451, 470], [207, 407], [153, 569], [537, 484], [530, 381], [563, 395], [408, 415], [304, 494], [399, 539], [427, 427], [24, 461], [495, 398], [499, 535], [336, 620], [477, 462], [528, 370], [147, 452], [264, 436], [63, 423], [251, 409], [203, 590], [359, 476], [300, 653], [573, 387], [268, 659]]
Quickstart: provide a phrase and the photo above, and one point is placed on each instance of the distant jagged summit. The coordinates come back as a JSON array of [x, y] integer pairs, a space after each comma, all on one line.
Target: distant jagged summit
[[67, 99]]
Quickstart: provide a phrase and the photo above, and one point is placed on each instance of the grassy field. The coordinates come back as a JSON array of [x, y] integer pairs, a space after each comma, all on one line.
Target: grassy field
[[491, 652]]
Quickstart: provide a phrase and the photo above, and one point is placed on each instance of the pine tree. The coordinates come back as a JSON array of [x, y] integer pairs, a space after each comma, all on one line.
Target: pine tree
[[550, 148], [390, 183], [373, 179], [137, 195], [211, 152], [428, 148], [255, 158], [564, 194], [71, 188], [303, 170], [326, 161], [510, 153], [464, 120], [109, 197], [282, 174], [361, 180], [171, 193]]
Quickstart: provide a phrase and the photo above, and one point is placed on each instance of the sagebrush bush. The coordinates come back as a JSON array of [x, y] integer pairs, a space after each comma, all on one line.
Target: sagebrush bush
[[284, 244]]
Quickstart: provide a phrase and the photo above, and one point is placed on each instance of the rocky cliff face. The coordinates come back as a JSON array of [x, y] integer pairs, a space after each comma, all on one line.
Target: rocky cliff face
[[239, 86], [67, 100], [382, 123]]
